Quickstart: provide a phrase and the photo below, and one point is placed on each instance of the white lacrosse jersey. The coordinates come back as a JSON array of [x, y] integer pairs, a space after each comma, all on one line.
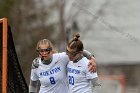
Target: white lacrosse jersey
[[79, 77], [52, 77]]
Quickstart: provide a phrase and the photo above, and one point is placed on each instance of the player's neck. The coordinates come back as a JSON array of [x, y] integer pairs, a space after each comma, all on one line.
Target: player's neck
[[47, 62], [78, 58]]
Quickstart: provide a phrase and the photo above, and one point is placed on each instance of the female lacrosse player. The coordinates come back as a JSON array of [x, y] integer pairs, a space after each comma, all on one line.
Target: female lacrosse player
[[50, 69], [79, 77]]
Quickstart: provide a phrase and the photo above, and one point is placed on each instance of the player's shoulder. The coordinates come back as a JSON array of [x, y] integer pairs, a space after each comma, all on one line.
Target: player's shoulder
[[35, 63], [84, 61], [60, 55]]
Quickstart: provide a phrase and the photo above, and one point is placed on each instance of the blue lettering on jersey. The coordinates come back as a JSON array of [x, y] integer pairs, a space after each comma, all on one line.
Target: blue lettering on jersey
[[75, 71], [53, 71]]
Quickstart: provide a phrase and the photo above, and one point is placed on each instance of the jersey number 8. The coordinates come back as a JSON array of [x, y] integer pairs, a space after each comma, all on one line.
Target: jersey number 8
[[52, 81]]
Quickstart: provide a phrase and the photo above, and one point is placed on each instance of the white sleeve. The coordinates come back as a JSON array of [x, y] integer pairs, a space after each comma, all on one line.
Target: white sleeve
[[34, 68], [90, 75], [34, 76], [64, 57]]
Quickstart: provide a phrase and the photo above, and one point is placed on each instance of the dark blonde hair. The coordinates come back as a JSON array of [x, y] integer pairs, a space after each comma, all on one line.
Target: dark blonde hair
[[76, 43], [48, 42]]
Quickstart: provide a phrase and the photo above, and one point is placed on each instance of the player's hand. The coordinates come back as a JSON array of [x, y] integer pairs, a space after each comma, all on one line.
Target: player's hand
[[92, 65]]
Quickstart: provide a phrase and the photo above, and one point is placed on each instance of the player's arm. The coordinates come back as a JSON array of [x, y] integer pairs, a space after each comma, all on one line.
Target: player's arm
[[87, 54], [34, 78], [96, 84], [33, 85], [92, 63]]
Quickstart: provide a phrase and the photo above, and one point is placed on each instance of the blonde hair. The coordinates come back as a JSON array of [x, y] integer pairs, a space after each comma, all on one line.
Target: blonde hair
[[48, 42]]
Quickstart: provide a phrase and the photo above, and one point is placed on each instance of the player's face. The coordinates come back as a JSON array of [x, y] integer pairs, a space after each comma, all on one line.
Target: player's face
[[45, 51], [72, 54]]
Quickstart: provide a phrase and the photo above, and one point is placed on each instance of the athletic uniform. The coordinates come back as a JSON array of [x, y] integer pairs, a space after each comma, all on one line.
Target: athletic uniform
[[52, 77], [79, 76]]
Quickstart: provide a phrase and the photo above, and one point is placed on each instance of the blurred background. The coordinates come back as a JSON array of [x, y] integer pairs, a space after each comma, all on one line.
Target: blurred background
[[109, 29]]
